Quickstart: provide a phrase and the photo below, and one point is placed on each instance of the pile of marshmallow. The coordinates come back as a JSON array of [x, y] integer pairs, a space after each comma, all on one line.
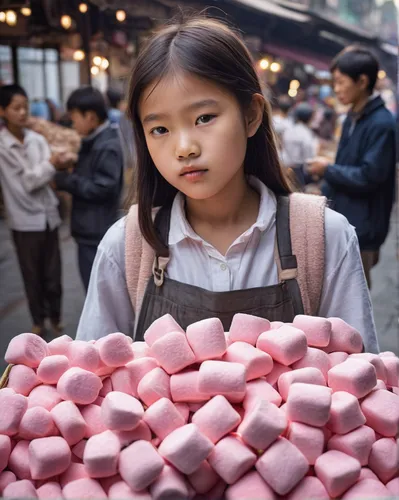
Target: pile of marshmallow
[[264, 411]]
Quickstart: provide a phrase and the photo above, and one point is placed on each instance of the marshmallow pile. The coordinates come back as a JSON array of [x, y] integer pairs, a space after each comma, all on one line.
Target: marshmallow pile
[[264, 411]]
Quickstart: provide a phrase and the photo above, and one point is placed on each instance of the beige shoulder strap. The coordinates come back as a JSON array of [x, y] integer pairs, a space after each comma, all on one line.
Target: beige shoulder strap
[[308, 245]]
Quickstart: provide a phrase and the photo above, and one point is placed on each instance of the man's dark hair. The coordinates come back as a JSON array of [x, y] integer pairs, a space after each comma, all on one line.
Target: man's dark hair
[[284, 103], [355, 61], [114, 97], [7, 92], [88, 99], [303, 113]]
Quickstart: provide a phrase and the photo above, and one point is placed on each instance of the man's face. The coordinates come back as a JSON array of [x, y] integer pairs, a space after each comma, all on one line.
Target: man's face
[[82, 122], [347, 90], [17, 112]]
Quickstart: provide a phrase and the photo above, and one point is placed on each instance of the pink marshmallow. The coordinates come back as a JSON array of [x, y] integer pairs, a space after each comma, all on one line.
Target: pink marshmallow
[[19, 460], [26, 349], [121, 412], [20, 489], [121, 380], [83, 355], [51, 368], [45, 396], [160, 327], [381, 409], [163, 417], [260, 390], [79, 448], [22, 379], [184, 387], [98, 401], [49, 491], [122, 490], [337, 357], [309, 440], [262, 425], [247, 328], [356, 376], [115, 349], [183, 410], [204, 478], [275, 325], [141, 432], [380, 385], [344, 337], [256, 362], [216, 428], [221, 377], [393, 487], [376, 361], [86, 488], [231, 459], [49, 457], [282, 466], [251, 486], [92, 415], [186, 448], [387, 354], [369, 488], [276, 372], [5, 451], [101, 455], [80, 386], [356, 443], [317, 330], [307, 375], [6, 478], [384, 459], [392, 370], [314, 358], [145, 470], [12, 408], [345, 414], [366, 473], [309, 488], [206, 339], [137, 369], [309, 404], [173, 352], [140, 349], [285, 345], [153, 386], [36, 423], [69, 421], [337, 471], [107, 387], [59, 345], [169, 484]]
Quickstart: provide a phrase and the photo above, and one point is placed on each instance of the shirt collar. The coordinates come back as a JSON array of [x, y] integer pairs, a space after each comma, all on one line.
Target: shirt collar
[[180, 228], [9, 140], [96, 132]]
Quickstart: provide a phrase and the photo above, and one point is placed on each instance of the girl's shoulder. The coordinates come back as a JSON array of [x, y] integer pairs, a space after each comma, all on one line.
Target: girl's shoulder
[[112, 246]]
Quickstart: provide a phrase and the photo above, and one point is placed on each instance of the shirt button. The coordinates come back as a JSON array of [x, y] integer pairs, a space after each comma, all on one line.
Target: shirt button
[[223, 267]]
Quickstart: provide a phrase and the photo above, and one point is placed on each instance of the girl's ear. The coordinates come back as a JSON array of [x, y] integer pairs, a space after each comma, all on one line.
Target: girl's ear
[[255, 114]]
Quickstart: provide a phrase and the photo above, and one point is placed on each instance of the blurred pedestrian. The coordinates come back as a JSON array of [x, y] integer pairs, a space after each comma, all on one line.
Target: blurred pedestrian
[[26, 168], [281, 115], [114, 112], [96, 182], [361, 182]]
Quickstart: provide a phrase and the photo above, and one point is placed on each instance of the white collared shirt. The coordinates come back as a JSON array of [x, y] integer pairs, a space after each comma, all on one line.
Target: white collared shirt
[[248, 263]]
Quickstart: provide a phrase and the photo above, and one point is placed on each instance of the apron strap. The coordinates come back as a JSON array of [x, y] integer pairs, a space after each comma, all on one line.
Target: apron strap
[[162, 226]]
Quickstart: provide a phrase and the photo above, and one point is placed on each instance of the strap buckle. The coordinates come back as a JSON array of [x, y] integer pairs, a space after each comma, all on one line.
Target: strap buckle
[[158, 270]]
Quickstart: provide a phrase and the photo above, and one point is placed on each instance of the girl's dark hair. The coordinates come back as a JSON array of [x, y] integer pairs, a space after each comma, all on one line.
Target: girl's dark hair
[[210, 50]]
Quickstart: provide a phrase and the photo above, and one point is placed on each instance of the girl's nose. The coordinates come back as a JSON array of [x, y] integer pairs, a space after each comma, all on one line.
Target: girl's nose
[[187, 149]]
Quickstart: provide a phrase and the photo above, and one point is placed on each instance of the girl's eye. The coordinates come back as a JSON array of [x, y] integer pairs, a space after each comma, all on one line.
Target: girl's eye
[[203, 119], [158, 131]]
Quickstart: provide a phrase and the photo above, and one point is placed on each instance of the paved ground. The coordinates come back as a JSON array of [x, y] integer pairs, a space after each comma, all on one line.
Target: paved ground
[[14, 316]]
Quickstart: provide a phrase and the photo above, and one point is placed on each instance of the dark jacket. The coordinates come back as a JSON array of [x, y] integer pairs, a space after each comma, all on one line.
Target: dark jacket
[[95, 185], [361, 184]]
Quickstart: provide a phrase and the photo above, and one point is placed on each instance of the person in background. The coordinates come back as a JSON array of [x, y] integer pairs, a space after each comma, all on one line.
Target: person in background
[[96, 182], [281, 119], [26, 168], [361, 182], [114, 113]]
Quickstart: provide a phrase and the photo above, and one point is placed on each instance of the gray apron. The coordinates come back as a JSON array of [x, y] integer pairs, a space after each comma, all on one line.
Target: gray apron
[[188, 304]]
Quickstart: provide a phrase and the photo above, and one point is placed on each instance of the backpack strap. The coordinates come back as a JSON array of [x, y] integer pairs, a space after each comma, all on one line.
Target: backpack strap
[[307, 214]]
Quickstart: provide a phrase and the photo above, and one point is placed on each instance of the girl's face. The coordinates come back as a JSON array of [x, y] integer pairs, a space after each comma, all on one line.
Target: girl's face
[[196, 133]]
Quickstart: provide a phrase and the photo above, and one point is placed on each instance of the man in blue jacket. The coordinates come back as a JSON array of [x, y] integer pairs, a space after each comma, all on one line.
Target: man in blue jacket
[[361, 182], [96, 182]]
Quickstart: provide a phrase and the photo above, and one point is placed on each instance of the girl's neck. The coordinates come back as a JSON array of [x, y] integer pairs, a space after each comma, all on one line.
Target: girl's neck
[[17, 132]]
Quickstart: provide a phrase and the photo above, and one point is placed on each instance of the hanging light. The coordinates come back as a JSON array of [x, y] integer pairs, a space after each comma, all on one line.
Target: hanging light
[[120, 15], [104, 63], [11, 18], [2, 17], [294, 84], [66, 22], [264, 64], [26, 11], [94, 70], [292, 92], [79, 55], [83, 8], [275, 67], [381, 74], [97, 60]]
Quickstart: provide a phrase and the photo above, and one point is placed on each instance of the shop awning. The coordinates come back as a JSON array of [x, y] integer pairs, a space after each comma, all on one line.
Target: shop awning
[[273, 9], [320, 62]]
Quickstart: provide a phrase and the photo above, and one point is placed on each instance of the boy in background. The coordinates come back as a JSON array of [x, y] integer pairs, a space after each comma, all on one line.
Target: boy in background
[[26, 168], [96, 182]]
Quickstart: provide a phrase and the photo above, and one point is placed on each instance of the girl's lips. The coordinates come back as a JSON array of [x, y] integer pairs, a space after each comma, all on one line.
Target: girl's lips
[[194, 175]]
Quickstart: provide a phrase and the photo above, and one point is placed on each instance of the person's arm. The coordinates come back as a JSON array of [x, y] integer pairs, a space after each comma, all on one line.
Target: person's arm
[[345, 293], [42, 172], [104, 183], [107, 308], [375, 167]]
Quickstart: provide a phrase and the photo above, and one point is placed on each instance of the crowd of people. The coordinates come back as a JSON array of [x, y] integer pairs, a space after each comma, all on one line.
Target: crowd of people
[[219, 182]]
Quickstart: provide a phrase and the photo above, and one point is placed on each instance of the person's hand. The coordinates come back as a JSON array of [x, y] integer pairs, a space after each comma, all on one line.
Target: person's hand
[[317, 166], [55, 159]]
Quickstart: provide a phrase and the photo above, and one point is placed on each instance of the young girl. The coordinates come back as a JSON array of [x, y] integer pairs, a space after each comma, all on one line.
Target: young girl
[[225, 238]]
